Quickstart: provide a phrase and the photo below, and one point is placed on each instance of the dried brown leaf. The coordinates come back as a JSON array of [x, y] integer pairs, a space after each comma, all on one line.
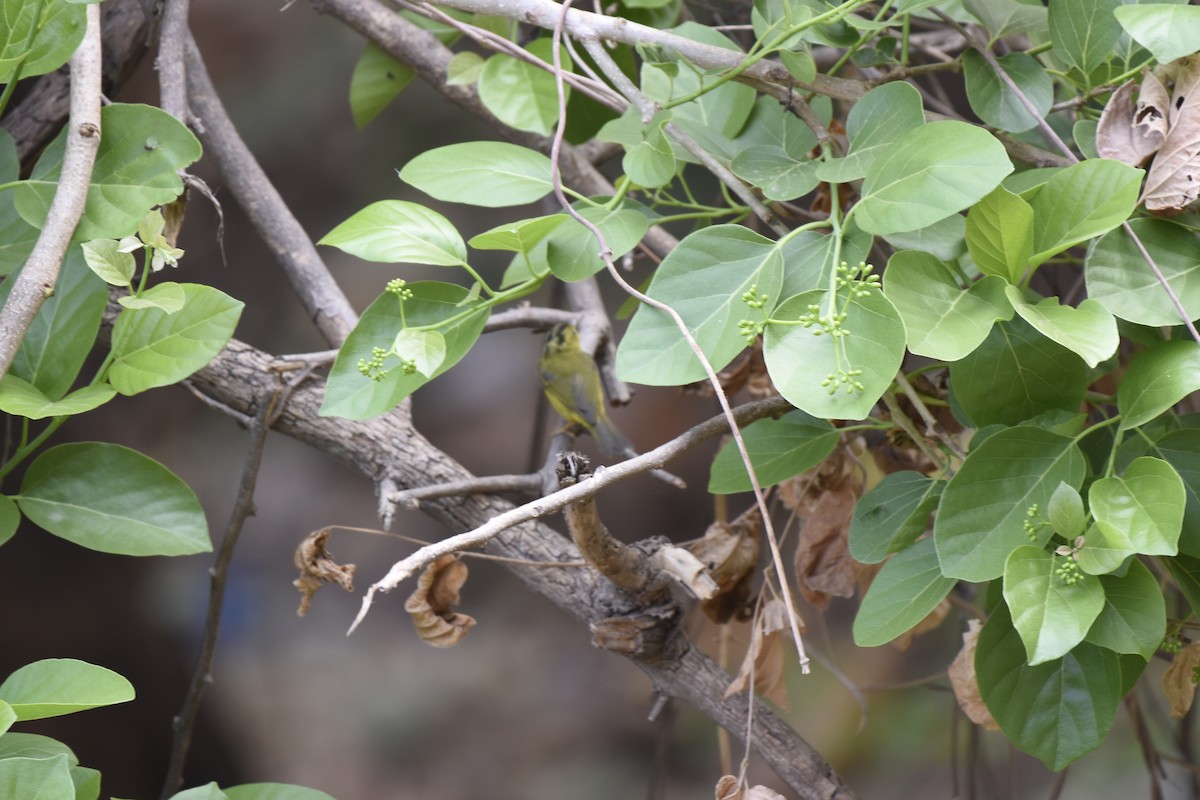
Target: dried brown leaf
[[1179, 681], [431, 604], [317, 567], [1132, 135], [1174, 178], [824, 568], [730, 788], [765, 658], [730, 551], [962, 678]]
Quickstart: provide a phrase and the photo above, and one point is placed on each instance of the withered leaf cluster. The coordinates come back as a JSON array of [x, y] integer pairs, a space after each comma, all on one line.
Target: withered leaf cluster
[[730, 550], [317, 568], [966, 686], [730, 788], [1179, 681], [764, 662], [1164, 123]]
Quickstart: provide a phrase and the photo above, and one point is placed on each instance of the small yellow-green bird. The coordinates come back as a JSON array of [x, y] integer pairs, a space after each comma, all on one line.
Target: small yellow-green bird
[[572, 385]]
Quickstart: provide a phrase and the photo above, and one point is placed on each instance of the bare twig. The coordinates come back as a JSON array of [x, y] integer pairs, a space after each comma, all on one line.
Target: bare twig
[[172, 46], [243, 508], [328, 307], [527, 316], [932, 427], [36, 281], [498, 524], [410, 499]]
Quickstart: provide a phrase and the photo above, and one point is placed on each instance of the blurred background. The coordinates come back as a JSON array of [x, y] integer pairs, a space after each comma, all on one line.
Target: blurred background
[[524, 708]]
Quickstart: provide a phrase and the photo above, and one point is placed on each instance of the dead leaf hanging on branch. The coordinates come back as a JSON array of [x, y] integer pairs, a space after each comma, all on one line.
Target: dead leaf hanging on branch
[[730, 788], [730, 551], [317, 567], [966, 687], [1179, 681], [765, 658], [430, 606]]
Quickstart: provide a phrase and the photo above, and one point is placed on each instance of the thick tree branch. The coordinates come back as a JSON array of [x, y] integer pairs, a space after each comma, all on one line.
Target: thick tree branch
[[388, 447], [172, 45], [36, 281]]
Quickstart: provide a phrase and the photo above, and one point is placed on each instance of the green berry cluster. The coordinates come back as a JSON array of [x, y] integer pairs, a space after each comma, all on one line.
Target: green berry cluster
[[399, 287], [1033, 523], [1171, 643], [860, 280], [843, 378], [373, 368], [751, 329], [831, 324], [1068, 571]]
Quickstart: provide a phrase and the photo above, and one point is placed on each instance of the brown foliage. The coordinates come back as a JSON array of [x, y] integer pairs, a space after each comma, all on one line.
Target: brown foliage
[[966, 687], [1179, 681], [764, 661], [317, 567], [431, 604]]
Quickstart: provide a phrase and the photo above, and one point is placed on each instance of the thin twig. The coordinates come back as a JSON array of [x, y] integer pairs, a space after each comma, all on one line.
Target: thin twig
[[551, 503], [37, 278], [243, 508], [410, 499], [932, 426], [172, 46], [278, 228]]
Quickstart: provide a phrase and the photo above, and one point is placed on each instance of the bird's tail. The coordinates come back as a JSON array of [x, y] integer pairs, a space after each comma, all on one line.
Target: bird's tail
[[611, 441]]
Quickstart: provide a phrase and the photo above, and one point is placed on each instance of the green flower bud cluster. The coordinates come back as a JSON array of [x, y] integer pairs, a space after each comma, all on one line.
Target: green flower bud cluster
[[751, 329], [1171, 643], [1068, 571], [399, 287], [373, 368], [1033, 523], [860, 280]]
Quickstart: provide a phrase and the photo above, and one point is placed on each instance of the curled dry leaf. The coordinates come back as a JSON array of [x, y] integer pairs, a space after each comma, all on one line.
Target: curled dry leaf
[[317, 567], [730, 788], [1174, 178], [431, 604], [824, 568], [765, 658], [1179, 681], [1131, 135], [966, 687], [730, 551]]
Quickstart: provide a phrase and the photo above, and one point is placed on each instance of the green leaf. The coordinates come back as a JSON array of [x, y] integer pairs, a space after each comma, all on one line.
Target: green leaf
[[87, 781], [906, 590], [36, 38], [64, 330], [1089, 331], [650, 162], [520, 236], [811, 257], [1146, 504], [1058, 711], [10, 518], [780, 175], [772, 124], [573, 252], [1186, 571], [1065, 512], [23, 399], [36, 778], [426, 349], [836, 377], [1084, 33], [1105, 549], [489, 174], [273, 791], [1156, 380], [394, 231], [352, 395], [1051, 615], [521, 95], [944, 239], [209, 791], [779, 449], [999, 234], [892, 515], [168, 297], [1005, 17], [1117, 275], [1016, 374], [153, 348], [981, 518], [928, 174], [995, 103], [57, 686], [1134, 619], [131, 174], [32, 745], [942, 321], [7, 717], [726, 261], [1181, 449], [880, 117], [1080, 203], [1169, 31], [378, 77], [109, 498], [113, 266]]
